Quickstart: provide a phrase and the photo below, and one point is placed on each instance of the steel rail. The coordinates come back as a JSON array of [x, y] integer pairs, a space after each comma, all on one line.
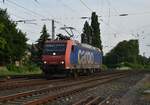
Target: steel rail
[[45, 90], [95, 101], [84, 100], [71, 89], [91, 100], [69, 92]]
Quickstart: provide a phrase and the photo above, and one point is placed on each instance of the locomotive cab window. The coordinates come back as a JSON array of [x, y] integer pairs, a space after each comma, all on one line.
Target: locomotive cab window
[[57, 48]]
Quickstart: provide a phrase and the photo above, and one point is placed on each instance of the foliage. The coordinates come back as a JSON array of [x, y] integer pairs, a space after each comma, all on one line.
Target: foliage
[[5, 72], [147, 67], [1, 27], [125, 51], [35, 54], [146, 85], [95, 25], [91, 33], [30, 68], [104, 67], [14, 68], [86, 36], [37, 49], [3, 43], [44, 36], [143, 60], [13, 41], [130, 65]]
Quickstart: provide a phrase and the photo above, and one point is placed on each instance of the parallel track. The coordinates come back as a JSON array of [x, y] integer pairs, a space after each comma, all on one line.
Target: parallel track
[[45, 95], [91, 100], [22, 82]]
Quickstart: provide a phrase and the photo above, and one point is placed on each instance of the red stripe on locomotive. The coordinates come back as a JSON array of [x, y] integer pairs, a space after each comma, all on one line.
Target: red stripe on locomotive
[[67, 55]]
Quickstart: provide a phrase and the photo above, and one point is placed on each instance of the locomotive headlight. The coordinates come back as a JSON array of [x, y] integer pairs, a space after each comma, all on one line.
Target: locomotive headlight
[[44, 62], [62, 62], [54, 53]]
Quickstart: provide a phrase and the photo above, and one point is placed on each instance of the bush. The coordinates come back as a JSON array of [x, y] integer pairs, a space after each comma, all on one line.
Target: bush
[[104, 67], [147, 66], [14, 68], [31, 67], [27, 68], [130, 65]]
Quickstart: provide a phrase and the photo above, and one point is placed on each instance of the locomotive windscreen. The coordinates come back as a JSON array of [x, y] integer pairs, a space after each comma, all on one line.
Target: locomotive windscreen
[[57, 48]]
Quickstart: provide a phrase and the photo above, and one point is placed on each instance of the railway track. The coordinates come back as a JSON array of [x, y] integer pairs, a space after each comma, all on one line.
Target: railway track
[[49, 94], [9, 85], [20, 77], [91, 100], [23, 82]]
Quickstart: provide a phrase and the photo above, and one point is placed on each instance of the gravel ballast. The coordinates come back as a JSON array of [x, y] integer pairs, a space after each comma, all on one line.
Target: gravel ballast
[[120, 89]]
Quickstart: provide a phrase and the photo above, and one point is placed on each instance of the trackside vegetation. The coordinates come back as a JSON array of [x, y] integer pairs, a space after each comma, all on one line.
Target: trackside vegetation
[[12, 40], [91, 33], [14, 53], [37, 49], [126, 54], [21, 70]]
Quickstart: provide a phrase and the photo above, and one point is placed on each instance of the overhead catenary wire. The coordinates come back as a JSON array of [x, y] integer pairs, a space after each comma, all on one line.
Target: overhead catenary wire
[[40, 14], [33, 12], [36, 1], [59, 22], [70, 9], [126, 14], [129, 14], [109, 3], [98, 16], [18, 5], [115, 10], [10, 4], [67, 6], [19, 17], [85, 5]]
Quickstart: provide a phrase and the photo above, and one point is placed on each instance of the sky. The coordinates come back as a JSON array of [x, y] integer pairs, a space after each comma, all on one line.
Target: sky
[[114, 28]]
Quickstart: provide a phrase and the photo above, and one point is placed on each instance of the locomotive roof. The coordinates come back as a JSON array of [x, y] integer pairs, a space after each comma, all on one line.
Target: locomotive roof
[[56, 41], [89, 46], [75, 43]]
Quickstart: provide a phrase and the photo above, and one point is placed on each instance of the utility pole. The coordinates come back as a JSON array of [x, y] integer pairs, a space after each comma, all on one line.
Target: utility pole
[[53, 27], [53, 30]]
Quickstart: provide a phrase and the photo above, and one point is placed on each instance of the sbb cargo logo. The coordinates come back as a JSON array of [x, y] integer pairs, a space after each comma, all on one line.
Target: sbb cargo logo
[[85, 57]]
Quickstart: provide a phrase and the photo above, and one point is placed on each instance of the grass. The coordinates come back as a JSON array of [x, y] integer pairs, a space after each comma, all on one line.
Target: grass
[[5, 72], [147, 85]]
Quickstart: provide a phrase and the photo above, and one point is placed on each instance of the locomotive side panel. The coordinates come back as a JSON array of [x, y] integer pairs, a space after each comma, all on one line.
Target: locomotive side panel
[[85, 58]]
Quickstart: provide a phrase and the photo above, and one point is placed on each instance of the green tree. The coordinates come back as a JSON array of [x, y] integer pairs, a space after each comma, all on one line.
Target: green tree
[[2, 43], [1, 27], [143, 60], [2, 40], [44, 36], [125, 51], [95, 25], [12, 39], [86, 36]]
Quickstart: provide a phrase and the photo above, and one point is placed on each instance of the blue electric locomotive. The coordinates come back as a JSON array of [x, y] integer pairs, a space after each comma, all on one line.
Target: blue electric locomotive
[[70, 57]]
